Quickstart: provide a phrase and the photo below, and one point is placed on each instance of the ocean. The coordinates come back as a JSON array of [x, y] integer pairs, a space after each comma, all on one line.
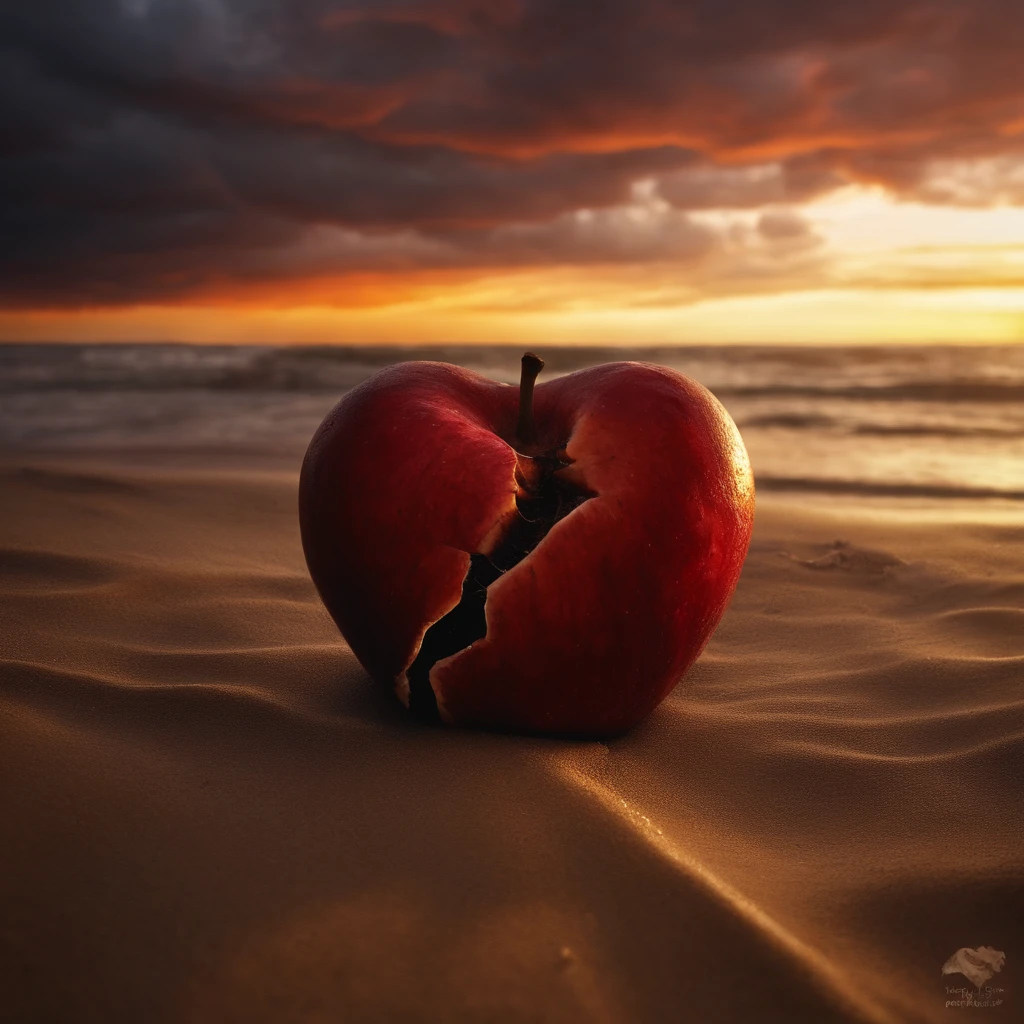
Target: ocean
[[911, 425]]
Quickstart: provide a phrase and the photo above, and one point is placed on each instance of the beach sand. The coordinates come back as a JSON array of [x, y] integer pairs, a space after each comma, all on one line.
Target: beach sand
[[210, 815]]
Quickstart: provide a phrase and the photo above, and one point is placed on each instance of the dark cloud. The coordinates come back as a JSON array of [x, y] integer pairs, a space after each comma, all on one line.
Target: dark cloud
[[783, 226], [706, 185], [153, 148]]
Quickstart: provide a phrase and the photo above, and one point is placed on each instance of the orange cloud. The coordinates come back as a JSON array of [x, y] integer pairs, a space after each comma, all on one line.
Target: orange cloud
[[381, 153]]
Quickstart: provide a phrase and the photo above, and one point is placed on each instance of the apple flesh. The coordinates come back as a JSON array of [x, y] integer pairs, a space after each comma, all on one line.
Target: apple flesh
[[542, 561]]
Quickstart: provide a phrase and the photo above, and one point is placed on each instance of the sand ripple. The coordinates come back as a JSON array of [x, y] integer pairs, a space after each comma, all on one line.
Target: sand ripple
[[213, 816]]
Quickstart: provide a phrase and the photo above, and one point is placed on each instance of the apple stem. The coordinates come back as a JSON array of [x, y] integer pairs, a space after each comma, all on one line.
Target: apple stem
[[526, 429]]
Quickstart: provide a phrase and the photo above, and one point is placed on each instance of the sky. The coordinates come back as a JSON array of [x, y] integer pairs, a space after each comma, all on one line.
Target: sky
[[559, 171]]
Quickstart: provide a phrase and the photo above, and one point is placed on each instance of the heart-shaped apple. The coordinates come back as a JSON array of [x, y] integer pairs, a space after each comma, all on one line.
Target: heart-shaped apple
[[546, 560]]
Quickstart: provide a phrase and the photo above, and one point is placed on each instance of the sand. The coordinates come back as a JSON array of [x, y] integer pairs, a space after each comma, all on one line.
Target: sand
[[210, 815]]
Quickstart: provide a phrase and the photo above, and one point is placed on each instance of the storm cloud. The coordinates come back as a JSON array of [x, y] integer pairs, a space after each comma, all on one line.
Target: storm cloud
[[154, 149]]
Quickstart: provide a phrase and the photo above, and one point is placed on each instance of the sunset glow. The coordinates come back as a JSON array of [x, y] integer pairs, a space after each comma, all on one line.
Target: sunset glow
[[427, 180]]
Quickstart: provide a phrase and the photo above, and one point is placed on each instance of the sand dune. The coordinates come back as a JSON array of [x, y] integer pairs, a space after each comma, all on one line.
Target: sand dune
[[211, 816]]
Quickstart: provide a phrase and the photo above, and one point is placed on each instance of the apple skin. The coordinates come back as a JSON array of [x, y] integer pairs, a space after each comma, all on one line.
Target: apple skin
[[416, 468]]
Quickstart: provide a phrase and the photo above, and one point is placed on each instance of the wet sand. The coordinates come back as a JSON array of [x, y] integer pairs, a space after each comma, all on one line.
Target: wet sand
[[210, 815]]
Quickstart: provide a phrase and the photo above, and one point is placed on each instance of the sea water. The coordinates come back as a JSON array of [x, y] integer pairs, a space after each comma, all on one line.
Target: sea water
[[933, 423]]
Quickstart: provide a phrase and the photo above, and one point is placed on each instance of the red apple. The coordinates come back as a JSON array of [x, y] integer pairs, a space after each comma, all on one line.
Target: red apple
[[544, 561]]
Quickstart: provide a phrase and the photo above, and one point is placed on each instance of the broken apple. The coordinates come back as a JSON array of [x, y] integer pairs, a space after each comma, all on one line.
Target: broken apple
[[546, 559]]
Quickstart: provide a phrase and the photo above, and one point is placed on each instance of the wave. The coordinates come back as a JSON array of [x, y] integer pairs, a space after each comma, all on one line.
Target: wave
[[816, 421], [982, 375], [882, 488], [788, 421], [929, 430], [982, 391], [171, 367]]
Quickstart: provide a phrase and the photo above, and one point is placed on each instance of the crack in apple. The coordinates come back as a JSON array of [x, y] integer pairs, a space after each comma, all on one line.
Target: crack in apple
[[538, 511]]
